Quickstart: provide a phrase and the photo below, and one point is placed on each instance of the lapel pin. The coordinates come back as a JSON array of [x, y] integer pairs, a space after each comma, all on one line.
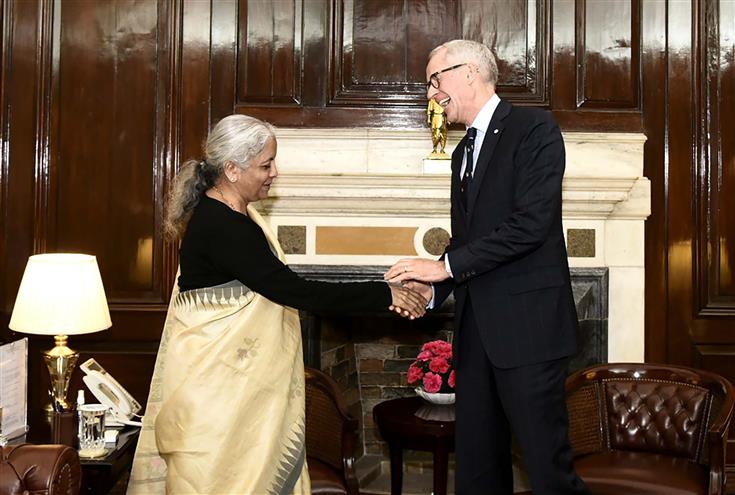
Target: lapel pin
[[495, 131]]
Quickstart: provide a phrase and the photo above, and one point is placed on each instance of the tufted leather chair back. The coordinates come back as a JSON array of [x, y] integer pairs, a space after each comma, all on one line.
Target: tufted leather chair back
[[657, 416], [647, 408], [39, 470]]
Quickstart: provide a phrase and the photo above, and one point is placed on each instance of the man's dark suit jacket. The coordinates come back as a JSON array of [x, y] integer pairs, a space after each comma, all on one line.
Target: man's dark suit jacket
[[507, 251]]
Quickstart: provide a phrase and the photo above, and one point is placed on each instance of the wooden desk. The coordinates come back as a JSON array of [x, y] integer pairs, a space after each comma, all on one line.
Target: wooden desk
[[100, 474], [402, 429]]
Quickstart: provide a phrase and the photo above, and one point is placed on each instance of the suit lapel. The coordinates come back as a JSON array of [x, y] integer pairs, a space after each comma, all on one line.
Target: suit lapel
[[457, 157], [492, 135]]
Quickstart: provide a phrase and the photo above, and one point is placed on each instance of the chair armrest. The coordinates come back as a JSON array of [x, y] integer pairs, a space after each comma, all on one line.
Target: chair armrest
[[331, 431], [40, 469], [349, 439], [717, 446]]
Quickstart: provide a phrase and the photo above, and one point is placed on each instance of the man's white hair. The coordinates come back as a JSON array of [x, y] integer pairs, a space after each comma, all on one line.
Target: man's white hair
[[467, 51]]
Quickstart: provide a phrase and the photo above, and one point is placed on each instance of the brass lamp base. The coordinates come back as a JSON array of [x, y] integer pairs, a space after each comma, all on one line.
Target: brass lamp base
[[60, 362]]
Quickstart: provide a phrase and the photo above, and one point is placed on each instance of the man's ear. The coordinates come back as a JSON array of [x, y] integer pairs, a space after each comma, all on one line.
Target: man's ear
[[473, 71]]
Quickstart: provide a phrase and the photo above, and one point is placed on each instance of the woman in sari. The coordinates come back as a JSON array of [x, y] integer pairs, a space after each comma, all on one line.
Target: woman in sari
[[225, 411]]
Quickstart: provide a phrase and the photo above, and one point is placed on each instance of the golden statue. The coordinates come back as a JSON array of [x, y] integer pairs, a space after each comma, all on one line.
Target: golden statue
[[437, 120]]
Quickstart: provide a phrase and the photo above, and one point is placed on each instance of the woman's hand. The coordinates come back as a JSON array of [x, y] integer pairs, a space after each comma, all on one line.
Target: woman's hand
[[424, 289], [406, 302]]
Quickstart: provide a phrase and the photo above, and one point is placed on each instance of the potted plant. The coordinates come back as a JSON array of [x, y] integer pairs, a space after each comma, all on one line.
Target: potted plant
[[432, 373]]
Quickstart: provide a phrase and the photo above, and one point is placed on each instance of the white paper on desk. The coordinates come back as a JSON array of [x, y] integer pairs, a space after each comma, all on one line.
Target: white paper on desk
[[13, 387]]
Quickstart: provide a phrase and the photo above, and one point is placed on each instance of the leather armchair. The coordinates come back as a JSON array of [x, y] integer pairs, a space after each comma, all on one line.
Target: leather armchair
[[649, 429], [39, 470], [331, 436]]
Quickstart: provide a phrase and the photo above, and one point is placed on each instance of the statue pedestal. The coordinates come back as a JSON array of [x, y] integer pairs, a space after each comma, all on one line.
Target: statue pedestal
[[440, 167]]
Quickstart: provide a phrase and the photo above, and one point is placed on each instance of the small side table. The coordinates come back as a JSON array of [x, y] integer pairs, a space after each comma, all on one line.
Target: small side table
[[400, 427]]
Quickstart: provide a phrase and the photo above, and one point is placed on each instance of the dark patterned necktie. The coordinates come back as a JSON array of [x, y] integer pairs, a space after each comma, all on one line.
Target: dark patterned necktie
[[469, 148]]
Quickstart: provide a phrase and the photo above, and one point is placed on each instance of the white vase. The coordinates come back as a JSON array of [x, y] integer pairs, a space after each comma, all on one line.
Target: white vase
[[438, 399]]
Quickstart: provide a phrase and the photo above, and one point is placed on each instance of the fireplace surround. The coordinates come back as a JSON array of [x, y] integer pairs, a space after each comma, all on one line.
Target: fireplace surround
[[349, 202]]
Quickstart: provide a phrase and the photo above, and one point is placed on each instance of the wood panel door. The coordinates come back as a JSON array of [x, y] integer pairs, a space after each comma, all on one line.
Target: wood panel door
[[690, 160]]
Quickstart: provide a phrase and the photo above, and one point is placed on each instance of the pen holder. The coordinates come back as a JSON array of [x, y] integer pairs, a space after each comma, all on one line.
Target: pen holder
[[63, 428]]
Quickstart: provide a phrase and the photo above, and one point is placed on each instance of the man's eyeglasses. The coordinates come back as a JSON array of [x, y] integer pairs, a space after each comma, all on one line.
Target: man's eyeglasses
[[434, 78]]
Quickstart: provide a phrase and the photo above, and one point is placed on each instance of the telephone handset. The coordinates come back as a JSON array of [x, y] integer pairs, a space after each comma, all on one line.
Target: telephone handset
[[109, 392]]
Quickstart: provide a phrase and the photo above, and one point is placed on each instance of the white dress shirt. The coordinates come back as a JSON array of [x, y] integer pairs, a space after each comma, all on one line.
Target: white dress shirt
[[481, 123]]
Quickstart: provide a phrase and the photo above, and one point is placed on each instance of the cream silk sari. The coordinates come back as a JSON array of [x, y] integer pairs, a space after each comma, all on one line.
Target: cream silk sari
[[225, 412]]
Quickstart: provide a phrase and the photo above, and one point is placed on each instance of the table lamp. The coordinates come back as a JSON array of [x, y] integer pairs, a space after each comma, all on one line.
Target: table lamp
[[60, 295]]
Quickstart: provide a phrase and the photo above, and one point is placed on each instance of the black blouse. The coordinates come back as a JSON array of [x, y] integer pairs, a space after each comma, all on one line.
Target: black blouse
[[221, 245]]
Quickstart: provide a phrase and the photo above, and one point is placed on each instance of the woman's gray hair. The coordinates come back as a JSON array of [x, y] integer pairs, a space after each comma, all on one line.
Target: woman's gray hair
[[237, 139], [467, 51]]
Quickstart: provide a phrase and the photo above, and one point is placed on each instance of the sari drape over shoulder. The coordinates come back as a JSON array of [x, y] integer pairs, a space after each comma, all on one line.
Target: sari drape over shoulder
[[225, 412]]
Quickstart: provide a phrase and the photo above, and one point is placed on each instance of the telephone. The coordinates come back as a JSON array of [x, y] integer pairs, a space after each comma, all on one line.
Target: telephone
[[108, 391]]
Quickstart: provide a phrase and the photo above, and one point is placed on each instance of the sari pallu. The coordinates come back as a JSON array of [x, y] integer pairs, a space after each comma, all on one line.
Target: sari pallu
[[225, 413]]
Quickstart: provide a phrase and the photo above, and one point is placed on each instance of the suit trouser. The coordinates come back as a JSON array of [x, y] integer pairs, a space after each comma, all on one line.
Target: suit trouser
[[492, 402]]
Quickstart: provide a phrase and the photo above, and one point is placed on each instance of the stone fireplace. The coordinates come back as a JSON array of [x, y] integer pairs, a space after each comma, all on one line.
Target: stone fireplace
[[349, 202]]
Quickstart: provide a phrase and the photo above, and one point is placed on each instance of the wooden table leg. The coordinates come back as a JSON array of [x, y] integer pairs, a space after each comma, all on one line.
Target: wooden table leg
[[441, 461], [396, 468]]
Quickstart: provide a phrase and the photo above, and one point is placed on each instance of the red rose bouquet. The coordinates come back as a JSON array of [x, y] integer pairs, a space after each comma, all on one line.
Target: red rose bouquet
[[432, 370]]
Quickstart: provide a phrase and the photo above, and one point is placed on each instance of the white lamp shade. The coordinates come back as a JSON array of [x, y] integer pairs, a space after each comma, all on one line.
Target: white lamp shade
[[61, 294]]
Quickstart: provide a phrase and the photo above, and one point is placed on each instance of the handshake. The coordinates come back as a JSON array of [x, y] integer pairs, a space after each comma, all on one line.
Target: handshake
[[410, 282]]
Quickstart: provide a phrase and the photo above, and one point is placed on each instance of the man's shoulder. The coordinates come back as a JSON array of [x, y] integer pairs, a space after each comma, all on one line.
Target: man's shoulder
[[525, 121], [530, 115]]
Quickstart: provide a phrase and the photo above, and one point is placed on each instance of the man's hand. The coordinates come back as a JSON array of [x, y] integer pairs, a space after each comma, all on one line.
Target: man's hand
[[418, 269], [407, 302]]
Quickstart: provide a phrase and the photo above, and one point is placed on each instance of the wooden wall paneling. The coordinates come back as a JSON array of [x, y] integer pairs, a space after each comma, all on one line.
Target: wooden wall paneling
[[324, 104], [24, 87], [269, 52], [700, 315], [22, 31], [315, 59], [168, 73], [608, 49], [716, 151], [563, 68], [315, 48], [192, 80], [654, 100], [44, 193], [5, 43], [223, 59], [399, 34], [680, 164], [598, 83], [518, 32], [725, 149], [104, 149]]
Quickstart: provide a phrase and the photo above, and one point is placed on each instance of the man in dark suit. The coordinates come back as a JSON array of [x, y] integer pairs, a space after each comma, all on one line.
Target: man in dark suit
[[506, 262]]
